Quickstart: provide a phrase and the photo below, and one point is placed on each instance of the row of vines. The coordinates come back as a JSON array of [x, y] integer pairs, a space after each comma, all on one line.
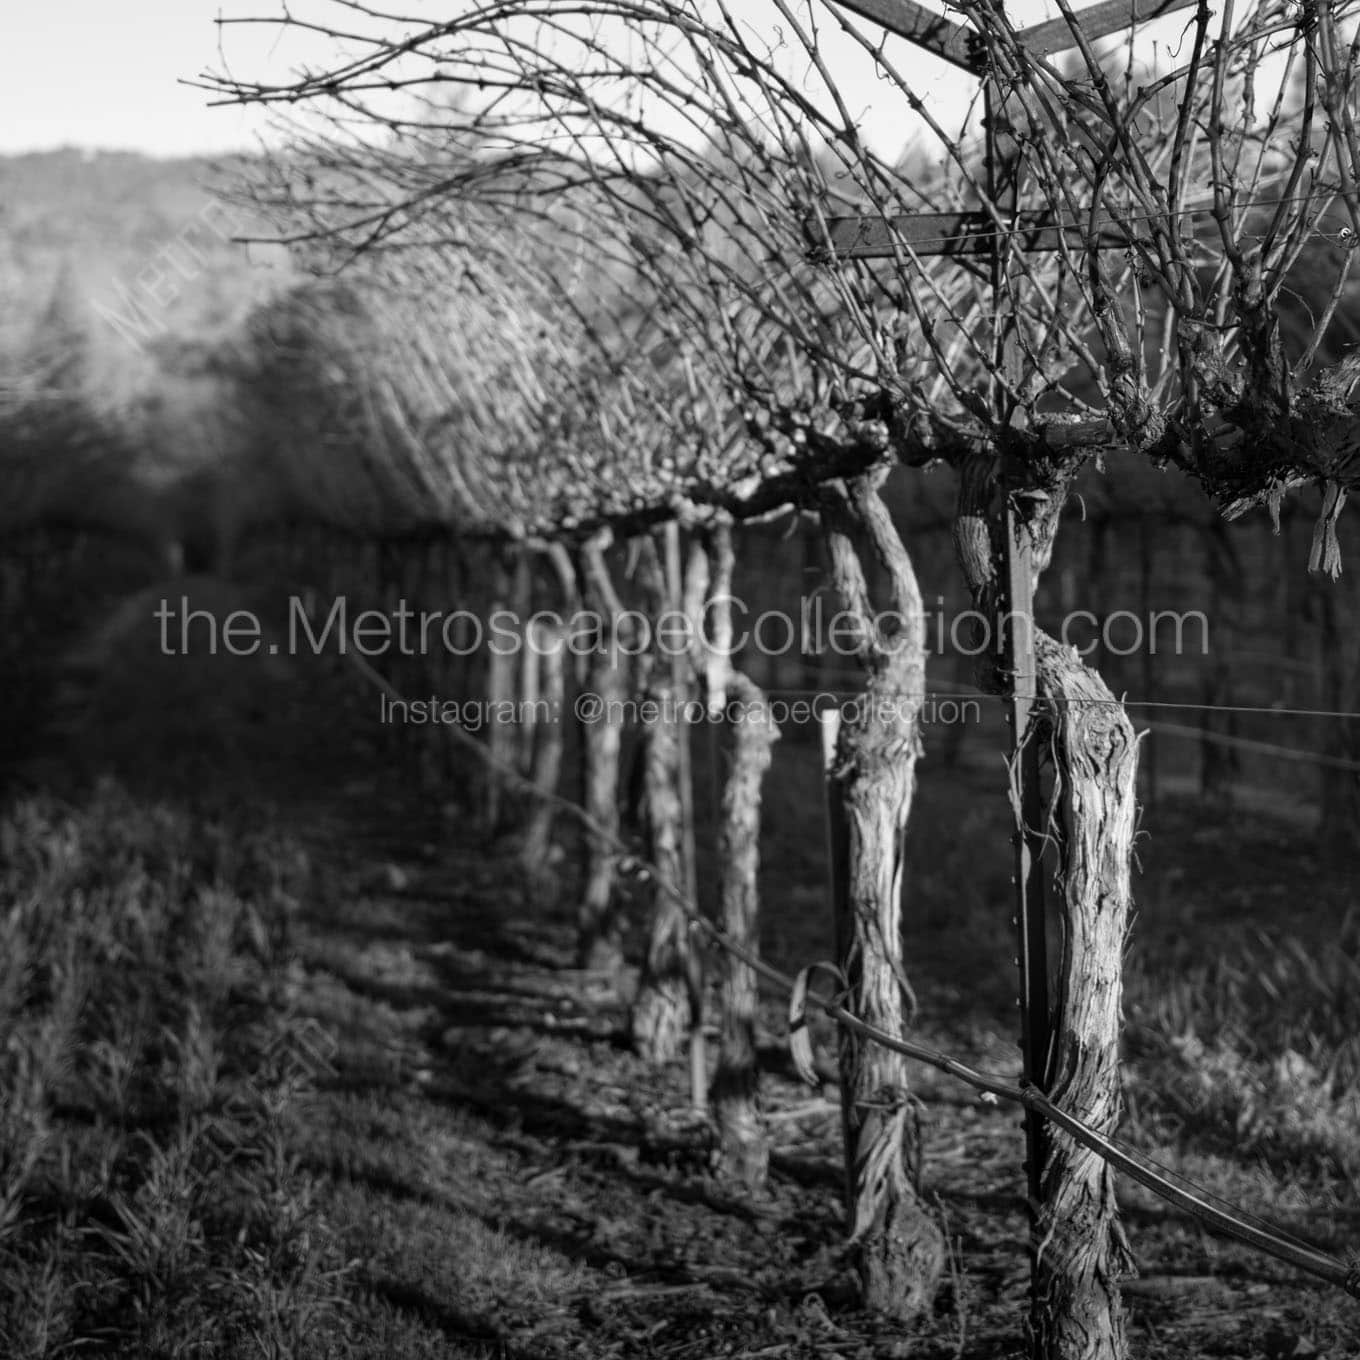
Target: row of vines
[[580, 330]]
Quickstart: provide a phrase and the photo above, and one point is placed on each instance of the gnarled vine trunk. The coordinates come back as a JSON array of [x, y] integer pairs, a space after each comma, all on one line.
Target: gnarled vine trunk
[[547, 650], [599, 919], [744, 1150], [500, 695], [1081, 1250], [900, 1249], [661, 1012], [599, 943]]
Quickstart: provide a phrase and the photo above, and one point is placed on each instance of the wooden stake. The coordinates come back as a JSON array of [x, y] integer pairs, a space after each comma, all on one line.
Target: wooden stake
[[681, 690], [1028, 841], [1017, 643], [838, 872]]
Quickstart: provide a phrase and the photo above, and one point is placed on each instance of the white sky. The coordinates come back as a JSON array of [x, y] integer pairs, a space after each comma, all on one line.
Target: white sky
[[103, 73]]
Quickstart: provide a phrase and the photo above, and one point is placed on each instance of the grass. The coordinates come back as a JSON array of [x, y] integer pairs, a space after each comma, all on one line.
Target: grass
[[186, 1167], [154, 1072], [1256, 1051]]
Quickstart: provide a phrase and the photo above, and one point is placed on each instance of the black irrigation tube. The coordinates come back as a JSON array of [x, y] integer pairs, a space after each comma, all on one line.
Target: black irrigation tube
[[1132, 1164]]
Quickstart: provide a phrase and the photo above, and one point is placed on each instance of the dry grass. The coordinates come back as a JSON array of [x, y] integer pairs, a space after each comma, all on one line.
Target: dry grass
[[1256, 1052], [154, 1070]]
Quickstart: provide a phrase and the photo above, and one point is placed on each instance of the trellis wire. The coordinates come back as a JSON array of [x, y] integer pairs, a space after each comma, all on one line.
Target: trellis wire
[[964, 693], [1268, 748]]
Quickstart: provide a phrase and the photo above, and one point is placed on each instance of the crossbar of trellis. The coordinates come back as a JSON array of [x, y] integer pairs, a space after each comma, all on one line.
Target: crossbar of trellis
[[960, 234], [963, 47]]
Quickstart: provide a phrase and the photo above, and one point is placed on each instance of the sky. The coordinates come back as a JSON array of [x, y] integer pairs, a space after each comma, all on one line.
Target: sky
[[104, 74]]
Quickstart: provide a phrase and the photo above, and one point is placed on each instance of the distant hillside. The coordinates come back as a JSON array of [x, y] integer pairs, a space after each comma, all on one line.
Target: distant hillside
[[119, 285], [136, 247]]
